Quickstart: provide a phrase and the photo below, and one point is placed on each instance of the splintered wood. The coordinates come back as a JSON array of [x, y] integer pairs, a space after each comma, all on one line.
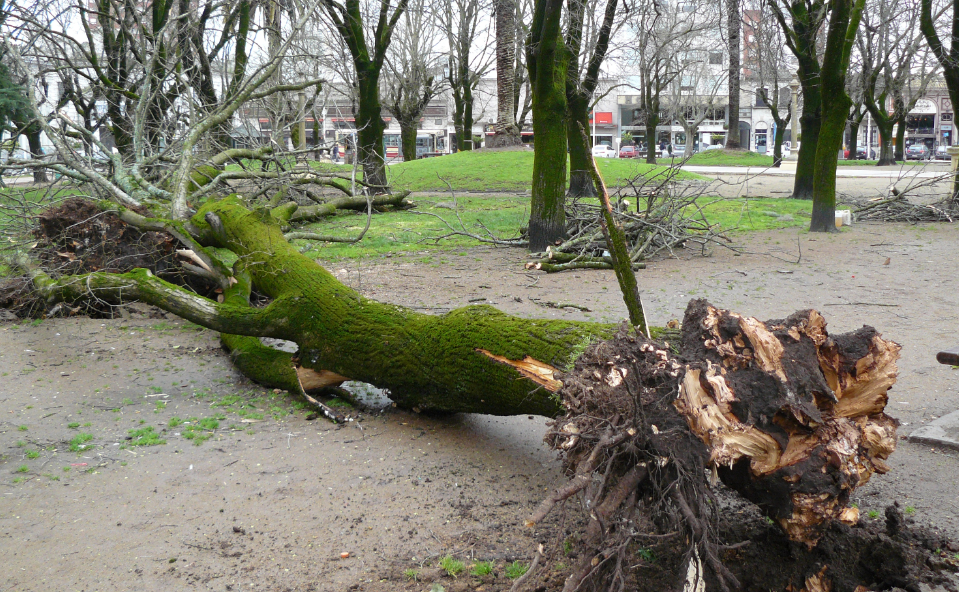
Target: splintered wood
[[792, 417]]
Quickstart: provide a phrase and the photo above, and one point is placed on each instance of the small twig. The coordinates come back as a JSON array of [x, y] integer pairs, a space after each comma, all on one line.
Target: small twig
[[532, 567]]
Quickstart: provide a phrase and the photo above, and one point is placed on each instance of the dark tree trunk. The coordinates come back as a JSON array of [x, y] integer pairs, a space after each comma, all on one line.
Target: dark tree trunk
[[778, 146], [580, 181], [854, 139], [369, 129], [733, 27], [900, 146], [36, 151], [408, 139], [547, 62]]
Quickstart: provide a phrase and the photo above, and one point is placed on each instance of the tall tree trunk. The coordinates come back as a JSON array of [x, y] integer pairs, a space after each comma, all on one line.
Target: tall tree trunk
[[733, 28], [652, 122], [844, 20], [408, 139], [505, 128], [778, 145], [547, 64], [900, 147], [36, 151], [853, 144], [811, 121], [369, 130], [580, 152]]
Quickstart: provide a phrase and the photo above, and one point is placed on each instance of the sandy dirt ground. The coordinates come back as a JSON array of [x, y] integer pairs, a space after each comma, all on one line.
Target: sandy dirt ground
[[247, 494]]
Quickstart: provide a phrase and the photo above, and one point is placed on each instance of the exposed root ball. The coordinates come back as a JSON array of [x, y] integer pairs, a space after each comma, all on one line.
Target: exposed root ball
[[787, 416]]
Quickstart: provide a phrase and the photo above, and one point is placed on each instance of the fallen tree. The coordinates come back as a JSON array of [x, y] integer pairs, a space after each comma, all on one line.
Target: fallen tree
[[781, 412]]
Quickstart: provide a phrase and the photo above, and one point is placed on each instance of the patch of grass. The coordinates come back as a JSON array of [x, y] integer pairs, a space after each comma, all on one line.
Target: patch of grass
[[126, 402], [174, 422], [516, 569], [750, 214], [73, 425], [452, 566], [78, 442], [23, 469], [200, 430], [873, 514], [482, 568], [21, 444], [23, 428], [19, 479], [647, 555], [145, 437], [335, 402], [411, 574], [910, 510], [161, 405], [33, 454], [730, 158]]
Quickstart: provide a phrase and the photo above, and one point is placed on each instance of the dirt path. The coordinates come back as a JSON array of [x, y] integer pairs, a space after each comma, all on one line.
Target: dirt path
[[270, 500]]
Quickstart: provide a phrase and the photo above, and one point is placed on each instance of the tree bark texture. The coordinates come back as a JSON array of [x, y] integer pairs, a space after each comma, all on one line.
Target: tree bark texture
[[370, 127], [733, 30], [505, 128], [580, 148], [547, 64]]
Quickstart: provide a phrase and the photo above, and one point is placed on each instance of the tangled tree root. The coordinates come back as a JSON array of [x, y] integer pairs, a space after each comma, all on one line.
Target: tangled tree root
[[783, 414]]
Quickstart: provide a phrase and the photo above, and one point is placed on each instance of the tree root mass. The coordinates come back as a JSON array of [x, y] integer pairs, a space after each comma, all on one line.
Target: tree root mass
[[783, 414]]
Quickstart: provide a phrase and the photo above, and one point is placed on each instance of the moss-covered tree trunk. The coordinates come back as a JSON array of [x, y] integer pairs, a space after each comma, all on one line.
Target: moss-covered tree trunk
[[884, 125], [652, 122], [843, 22], [547, 62], [408, 139], [900, 146], [580, 147], [811, 122], [369, 129], [473, 359]]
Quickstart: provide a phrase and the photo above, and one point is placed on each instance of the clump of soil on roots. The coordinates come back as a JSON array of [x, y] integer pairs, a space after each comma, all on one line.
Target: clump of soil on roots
[[76, 237], [653, 516]]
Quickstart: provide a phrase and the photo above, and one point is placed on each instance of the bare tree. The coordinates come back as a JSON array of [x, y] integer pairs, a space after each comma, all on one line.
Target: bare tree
[[467, 62], [367, 29], [412, 77], [897, 68]]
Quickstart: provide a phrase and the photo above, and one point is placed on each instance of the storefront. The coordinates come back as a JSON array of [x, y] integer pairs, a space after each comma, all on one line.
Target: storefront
[[760, 138], [921, 124]]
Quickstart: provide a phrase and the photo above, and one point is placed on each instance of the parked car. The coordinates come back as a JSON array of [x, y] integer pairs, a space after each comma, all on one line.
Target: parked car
[[861, 153], [628, 152], [942, 153], [918, 152], [603, 151]]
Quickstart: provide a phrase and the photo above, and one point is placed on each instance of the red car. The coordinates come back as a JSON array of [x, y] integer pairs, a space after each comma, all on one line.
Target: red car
[[628, 152]]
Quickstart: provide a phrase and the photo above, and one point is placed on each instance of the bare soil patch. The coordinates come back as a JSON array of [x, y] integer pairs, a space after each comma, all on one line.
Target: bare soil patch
[[269, 500]]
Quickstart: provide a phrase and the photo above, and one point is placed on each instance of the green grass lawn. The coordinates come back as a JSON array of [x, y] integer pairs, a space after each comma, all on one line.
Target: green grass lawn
[[398, 232], [730, 158], [501, 171]]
